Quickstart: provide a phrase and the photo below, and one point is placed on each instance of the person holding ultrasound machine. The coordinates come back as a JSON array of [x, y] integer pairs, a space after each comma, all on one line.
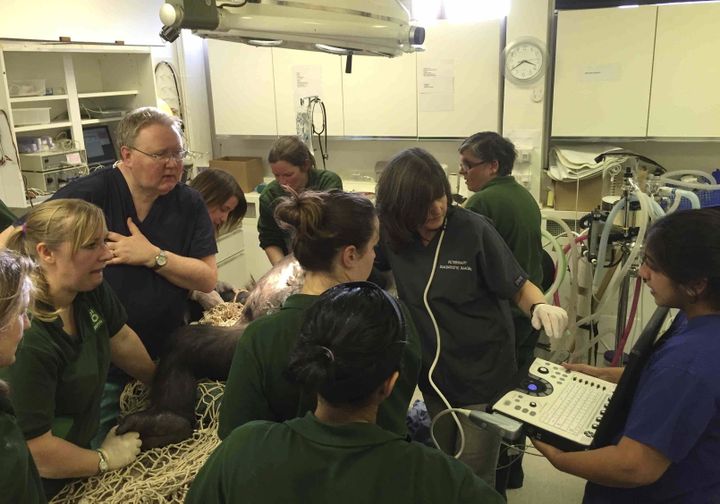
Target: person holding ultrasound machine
[[457, 276], [667, 449]]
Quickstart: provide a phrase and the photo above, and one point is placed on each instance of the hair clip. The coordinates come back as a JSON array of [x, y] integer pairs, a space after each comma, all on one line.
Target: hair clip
[[24, 228]]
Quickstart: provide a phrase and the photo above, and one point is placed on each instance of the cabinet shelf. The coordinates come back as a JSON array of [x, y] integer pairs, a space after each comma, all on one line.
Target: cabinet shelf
[[43, 98], [86, 122], [97, 77], [616, 140], [104, 94], [39, 127]]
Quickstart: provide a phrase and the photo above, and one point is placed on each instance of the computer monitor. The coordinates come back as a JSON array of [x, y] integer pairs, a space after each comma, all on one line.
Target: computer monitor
[[99, 146]]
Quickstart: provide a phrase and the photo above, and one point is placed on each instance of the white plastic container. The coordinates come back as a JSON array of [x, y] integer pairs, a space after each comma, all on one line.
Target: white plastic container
[[28, 116], [26, 87]]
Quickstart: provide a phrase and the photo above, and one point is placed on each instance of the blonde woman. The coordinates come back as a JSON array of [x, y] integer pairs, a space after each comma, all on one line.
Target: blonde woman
[[19, 478], [78, 328]]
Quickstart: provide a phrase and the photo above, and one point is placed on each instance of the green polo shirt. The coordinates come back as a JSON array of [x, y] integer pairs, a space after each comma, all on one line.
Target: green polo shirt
[[269, 232], [516, 217], [304, 460], [19, 478], [256, 388], [6, 216], [57, 379]]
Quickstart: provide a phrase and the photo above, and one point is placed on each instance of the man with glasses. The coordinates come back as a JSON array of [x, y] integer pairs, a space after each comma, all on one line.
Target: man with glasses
[[486, 162], [160, 233]]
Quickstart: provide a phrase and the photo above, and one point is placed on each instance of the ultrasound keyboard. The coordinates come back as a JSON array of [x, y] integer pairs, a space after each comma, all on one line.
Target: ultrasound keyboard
[[561, 407]]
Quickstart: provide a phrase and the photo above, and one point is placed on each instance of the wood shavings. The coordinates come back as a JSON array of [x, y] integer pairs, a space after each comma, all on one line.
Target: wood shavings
[[222, 315]]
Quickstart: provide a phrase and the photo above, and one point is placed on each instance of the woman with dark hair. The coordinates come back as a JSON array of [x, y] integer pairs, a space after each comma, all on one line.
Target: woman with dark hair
[[668, 449], [293, 167], [334, 235], [457, 277], [226, 205], [19, 478], [223, 197], [350, 353]]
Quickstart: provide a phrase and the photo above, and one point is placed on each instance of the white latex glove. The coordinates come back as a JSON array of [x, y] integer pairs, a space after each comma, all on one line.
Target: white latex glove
[[120, 450], [552, 319], [206, 300]]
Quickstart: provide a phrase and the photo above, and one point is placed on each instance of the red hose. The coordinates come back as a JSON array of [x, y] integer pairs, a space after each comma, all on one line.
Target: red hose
[[628, 326]]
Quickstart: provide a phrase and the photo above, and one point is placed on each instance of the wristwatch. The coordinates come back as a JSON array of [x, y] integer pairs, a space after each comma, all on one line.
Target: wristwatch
[[160, 260], [102, 463]]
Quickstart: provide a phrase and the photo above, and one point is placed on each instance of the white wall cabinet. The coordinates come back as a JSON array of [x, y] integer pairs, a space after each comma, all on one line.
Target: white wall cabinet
[[242, 86], [230, 259], [458, 79], [254, 90], [379, 96], [257, 262], [319, 72], [603, 67], [685, 101], [135, 22], [81, 78]]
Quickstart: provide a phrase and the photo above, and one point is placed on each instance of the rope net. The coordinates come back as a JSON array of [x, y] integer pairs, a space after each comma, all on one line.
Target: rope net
[[161, 475]]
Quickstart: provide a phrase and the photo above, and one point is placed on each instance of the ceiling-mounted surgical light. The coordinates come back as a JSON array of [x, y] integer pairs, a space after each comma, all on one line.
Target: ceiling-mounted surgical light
[[333, 50], [376, 28], [265, 42]]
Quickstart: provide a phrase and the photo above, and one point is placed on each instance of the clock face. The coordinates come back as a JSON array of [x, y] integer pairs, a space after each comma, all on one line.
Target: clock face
[[524, 62]]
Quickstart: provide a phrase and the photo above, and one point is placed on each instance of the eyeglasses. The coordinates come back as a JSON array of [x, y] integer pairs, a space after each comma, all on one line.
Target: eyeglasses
[[164, 158], [469, 166]]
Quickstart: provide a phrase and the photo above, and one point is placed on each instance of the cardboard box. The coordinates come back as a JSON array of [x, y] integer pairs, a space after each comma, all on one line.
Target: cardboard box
[[248, 171], [587, 194]]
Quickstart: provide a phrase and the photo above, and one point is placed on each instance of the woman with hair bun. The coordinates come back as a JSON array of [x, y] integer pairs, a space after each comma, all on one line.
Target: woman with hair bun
[[333, 239], [19, 478], [78, 328], [293, 166], [350, 354]]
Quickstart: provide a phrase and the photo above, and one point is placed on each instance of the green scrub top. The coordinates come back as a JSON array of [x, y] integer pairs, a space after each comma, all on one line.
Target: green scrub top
[[304, 460], [269, 232], [257, 390], [57, 380], [6, 216], [19, 478], [516, 216]]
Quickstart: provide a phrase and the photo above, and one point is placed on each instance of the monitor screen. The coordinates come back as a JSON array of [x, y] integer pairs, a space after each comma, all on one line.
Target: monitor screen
[[99, 146]]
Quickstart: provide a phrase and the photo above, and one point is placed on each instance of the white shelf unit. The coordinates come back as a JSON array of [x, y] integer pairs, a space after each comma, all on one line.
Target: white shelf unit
[[36, 99], [43, 127], [97, 77]]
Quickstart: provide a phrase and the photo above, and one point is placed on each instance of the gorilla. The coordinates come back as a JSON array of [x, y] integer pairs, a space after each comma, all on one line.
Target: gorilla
[[203, 351]]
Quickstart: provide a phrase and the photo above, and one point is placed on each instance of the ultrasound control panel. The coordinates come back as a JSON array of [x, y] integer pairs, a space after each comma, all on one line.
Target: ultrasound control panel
[[558, 406]]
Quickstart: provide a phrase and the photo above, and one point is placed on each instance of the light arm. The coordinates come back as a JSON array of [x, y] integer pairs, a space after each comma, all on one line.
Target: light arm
[[274, 254], [528, 295], [56, 458], [129, 354], [628, 464]]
